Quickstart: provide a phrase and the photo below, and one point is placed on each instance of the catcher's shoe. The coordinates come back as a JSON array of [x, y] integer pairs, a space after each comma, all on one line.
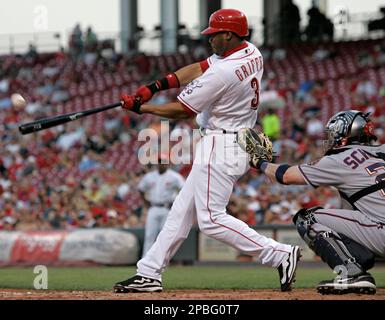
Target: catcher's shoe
[[138, 284], [288, 268], [363, 284]]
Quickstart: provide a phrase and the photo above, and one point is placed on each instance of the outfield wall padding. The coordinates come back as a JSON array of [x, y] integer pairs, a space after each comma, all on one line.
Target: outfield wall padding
[[104, 246]]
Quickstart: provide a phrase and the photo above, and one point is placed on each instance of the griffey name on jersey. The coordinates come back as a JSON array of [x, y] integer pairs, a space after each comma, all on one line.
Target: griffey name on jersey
[[250, 67]]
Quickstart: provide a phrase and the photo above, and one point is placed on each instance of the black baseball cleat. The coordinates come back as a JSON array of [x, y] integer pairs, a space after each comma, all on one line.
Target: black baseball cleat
[[363, 284], [288, 268], [138, 284]]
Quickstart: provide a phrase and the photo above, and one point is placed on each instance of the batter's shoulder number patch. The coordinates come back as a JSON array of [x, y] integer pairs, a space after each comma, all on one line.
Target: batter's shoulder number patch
[[192, 86]]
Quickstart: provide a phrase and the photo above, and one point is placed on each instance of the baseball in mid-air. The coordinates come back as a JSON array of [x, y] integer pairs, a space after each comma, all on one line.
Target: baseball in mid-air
[[18, 100]]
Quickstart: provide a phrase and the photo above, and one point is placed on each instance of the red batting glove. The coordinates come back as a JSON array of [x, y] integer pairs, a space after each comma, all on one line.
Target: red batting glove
[[127, 101], [144, 94], [130, 103]]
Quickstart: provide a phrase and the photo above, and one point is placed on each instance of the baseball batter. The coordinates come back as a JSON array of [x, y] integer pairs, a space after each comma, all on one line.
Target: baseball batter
[[346, 239], [223, 93], [158, 188]]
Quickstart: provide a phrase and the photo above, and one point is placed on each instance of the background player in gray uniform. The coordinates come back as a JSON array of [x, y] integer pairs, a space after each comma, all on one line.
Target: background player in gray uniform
[[347, 239]]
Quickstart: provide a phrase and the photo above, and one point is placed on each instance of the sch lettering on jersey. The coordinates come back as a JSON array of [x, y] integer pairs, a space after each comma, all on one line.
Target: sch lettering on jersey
[[356, 158], [250, 67]]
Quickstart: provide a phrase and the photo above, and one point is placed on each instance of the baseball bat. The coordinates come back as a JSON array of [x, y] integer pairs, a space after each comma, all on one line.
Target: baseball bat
[[49, 122]]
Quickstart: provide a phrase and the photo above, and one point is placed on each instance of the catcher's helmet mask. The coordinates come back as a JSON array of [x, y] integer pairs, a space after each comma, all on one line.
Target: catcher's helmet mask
[[349, 127]]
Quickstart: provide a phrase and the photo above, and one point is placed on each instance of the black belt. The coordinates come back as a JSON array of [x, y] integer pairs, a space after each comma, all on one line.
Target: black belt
[[213, 131], [229, 132]]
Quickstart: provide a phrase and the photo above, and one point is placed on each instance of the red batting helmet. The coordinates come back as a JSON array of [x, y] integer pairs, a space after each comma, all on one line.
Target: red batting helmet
[[228, 20]]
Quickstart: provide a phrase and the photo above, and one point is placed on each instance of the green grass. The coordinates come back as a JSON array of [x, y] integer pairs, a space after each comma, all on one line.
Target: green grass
[[191, 277]]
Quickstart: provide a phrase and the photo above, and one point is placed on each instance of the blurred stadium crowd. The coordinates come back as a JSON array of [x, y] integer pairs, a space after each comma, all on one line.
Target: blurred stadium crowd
[[84, 174]]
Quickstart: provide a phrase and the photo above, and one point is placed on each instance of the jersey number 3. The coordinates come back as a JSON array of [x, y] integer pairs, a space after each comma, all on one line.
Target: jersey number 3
[[255, 86]]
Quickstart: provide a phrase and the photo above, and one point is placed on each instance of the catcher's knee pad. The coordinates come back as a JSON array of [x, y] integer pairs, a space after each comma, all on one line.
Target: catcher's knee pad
[[303, 219], [305, 214]]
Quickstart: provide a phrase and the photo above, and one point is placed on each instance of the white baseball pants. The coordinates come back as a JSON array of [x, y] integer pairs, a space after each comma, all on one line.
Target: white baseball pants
[[218, 164]]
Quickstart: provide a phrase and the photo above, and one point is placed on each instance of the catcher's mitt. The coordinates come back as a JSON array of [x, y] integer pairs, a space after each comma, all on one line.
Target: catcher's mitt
[[256, 144]]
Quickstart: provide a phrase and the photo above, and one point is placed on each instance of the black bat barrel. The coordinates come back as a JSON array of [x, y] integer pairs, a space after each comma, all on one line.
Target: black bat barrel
[[46, 123]]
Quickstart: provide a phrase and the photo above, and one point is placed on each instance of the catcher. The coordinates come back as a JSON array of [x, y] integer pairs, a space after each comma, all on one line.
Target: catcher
[[347, 239]]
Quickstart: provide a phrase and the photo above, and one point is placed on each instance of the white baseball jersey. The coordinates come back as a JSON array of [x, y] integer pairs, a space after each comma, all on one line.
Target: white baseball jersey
[[226, 95], [161, 188]]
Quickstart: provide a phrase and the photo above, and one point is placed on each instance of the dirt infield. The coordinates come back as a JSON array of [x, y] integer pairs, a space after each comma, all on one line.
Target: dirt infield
[[297, 294]]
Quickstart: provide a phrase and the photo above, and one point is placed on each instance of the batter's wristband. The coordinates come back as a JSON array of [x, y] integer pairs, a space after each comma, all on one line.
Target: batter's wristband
[[168, 82], [154, 87], [172, 80], [262, 165], [280, 172]]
